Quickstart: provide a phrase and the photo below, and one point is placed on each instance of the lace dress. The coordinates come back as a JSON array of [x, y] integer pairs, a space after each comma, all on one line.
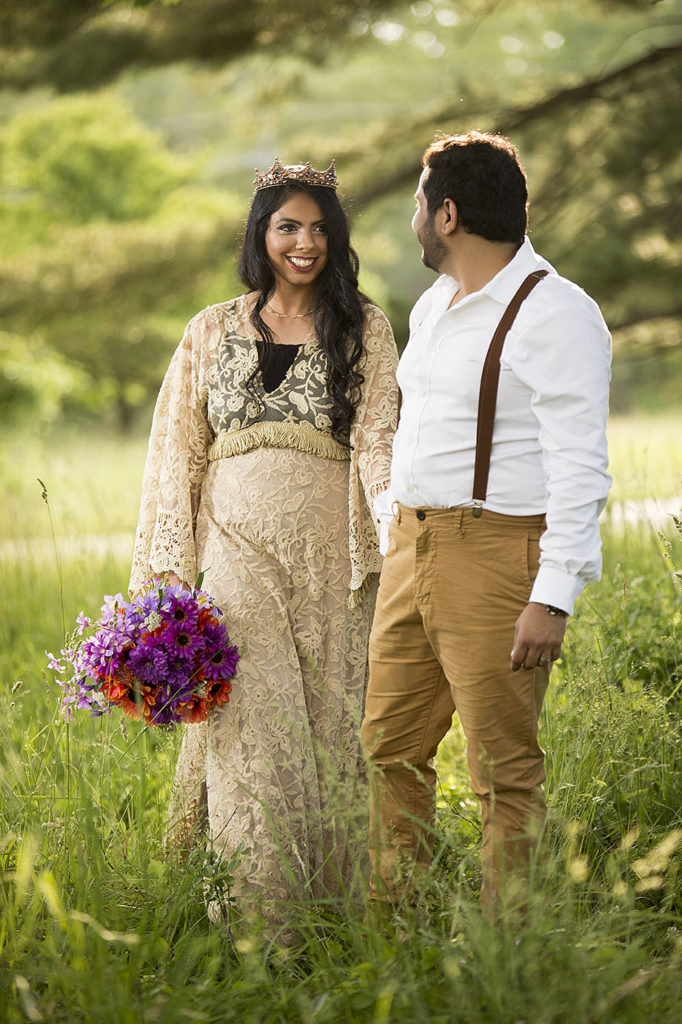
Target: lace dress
[[255, 491]]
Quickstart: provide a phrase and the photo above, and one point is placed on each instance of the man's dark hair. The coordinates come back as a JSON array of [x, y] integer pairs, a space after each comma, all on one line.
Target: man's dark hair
[[484, 177]]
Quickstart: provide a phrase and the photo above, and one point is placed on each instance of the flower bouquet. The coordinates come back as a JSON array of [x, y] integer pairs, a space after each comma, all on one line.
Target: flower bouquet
[[164, 656]]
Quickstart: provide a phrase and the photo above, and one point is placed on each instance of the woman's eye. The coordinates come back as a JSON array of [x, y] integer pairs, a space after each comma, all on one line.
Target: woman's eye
[[287, 228], [321, 229]]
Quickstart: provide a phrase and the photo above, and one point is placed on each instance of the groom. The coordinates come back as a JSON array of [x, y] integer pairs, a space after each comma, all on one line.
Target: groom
[[496, 490]]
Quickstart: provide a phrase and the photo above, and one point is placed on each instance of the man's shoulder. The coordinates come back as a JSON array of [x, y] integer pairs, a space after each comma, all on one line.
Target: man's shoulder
[[558, 294], [560, 310]]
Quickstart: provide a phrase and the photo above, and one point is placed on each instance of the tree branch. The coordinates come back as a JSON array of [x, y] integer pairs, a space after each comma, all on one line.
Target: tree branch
[[644, 316], [512, 121]]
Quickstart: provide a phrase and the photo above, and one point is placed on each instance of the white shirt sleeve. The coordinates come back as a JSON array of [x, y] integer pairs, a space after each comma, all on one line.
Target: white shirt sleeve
[[565, 361], [383, 509]]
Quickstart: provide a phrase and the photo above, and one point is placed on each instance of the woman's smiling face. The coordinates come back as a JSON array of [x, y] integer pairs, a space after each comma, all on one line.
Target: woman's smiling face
[[296, 240]]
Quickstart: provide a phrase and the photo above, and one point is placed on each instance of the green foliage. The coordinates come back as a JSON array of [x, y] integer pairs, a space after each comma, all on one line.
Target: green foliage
[[109, 252], [85, 158], [34, 381], [73, 44]]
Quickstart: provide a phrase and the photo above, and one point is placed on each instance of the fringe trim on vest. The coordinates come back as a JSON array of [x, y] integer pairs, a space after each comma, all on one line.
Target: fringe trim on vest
[[268, 434]]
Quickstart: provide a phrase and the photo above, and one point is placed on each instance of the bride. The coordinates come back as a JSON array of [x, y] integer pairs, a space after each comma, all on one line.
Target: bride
[[270, 441]]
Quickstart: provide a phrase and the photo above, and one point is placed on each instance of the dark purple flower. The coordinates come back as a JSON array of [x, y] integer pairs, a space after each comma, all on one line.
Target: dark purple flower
[[184, 641], [221, 662], [149, 663], [181, 609]]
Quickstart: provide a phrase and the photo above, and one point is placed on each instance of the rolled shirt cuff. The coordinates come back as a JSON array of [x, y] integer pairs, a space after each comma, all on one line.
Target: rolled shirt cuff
[[556, 588]]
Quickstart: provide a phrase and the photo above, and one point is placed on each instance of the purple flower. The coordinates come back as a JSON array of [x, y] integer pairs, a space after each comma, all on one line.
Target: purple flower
[[183, 641], [103, 652], [181, 609], [111, 606], [83, 622], [222, 662], [53, 664], [149, 663]]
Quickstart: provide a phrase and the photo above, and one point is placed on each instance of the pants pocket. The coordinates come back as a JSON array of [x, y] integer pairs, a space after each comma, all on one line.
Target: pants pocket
[[532, 557]]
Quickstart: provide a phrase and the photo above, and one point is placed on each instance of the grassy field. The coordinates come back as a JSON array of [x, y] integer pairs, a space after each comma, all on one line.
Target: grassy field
[[97, 924]]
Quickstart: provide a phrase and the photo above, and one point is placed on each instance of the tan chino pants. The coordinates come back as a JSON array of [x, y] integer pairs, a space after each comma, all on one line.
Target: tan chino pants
[[452, 587]]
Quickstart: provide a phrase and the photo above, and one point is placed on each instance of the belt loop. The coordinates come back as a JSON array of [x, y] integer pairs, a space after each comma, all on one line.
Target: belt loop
[[395, 509]]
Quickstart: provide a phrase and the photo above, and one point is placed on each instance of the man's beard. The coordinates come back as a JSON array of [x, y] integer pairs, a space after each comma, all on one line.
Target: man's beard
[[434, 251]]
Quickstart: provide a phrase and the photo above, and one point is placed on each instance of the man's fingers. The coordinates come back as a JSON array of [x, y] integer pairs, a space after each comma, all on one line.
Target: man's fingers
[[518, 657], [529, 658]]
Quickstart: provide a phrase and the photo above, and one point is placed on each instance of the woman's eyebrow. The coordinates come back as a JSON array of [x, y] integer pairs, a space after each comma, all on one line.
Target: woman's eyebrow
[[292, 220]]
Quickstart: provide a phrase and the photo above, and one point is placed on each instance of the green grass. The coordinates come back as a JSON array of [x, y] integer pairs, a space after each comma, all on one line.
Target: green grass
[[646, 457], [97, 923]]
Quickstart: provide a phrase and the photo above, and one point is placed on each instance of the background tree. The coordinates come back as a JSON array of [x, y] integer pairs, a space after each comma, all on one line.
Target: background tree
[[121, 207], [116, 230], [77, 44]]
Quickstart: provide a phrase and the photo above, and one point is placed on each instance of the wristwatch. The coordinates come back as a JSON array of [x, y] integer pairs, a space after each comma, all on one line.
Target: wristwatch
[[556, 611]]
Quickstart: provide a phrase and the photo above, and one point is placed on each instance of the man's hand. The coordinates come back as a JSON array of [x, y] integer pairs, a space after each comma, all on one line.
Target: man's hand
[[537, 637]]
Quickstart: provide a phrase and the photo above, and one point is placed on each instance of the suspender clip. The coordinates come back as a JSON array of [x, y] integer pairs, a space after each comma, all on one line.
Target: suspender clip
[[477, 510]]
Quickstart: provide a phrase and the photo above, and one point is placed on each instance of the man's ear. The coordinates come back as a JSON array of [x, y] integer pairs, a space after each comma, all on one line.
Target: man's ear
[[448, 220]]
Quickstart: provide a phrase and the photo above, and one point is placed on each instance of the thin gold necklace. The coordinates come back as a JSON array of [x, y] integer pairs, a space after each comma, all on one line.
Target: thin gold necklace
[[288, 316]]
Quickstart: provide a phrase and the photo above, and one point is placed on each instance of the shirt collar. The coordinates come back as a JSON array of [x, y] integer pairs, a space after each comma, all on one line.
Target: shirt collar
[[504, 285]]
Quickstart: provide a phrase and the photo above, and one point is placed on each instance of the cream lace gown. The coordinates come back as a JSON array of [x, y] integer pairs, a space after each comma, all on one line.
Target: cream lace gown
[[251, 487]]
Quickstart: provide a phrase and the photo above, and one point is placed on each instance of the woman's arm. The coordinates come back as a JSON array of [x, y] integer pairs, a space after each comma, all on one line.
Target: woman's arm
[[175, 468], [377, 415]]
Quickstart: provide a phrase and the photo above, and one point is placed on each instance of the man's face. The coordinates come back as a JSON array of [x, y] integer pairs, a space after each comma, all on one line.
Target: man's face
[[434, 249]]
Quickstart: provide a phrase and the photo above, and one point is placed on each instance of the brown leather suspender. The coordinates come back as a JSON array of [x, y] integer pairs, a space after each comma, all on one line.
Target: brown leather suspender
[[487, 396]]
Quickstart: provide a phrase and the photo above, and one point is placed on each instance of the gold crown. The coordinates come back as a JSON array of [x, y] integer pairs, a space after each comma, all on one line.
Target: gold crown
[[279, 173]]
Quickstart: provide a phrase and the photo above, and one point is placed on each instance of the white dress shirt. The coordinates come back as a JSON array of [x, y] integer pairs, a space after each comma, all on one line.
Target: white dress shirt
[[549, 442]]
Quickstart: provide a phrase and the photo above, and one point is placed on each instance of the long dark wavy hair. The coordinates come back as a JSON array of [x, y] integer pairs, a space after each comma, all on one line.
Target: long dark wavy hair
[[339, 316]]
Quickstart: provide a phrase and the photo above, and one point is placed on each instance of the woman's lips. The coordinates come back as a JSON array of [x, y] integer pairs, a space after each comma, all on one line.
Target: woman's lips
[[302, 263]]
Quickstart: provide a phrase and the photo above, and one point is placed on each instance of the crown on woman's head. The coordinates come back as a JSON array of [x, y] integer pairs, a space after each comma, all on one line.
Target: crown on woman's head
[[279, 173]]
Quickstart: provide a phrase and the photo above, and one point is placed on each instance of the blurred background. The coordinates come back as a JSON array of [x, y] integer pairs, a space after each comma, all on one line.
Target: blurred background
[[129, 134]]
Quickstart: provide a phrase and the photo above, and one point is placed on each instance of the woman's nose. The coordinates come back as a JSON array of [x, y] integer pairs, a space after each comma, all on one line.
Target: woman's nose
[[305, 239]]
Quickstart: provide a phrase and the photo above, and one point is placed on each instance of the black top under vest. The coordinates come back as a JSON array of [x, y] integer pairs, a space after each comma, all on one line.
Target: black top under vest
[[274, 361]]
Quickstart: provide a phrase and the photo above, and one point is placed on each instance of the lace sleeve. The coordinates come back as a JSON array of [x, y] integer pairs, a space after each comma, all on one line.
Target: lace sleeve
[[175, 468], [376, 418]]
